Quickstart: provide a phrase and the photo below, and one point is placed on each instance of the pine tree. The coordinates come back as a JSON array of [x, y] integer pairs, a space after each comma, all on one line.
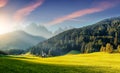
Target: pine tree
[[115, 39]]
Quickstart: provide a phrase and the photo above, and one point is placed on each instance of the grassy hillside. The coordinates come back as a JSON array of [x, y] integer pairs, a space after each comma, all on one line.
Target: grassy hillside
[[81, 63]]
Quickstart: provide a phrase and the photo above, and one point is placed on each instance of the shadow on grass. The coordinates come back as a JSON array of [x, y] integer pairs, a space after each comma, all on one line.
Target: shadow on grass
[[9, 65], [10, 57]]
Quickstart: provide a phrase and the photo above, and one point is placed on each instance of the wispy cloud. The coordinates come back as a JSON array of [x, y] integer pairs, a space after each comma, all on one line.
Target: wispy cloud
[[22, 13], [3, 3], [96, 8]]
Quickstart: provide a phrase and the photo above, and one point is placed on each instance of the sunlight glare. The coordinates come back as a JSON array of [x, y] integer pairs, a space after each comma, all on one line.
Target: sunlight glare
[[5, 24]]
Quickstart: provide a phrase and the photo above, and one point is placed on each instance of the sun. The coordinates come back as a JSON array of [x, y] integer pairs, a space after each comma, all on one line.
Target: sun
[[3, 28], [5, 24]]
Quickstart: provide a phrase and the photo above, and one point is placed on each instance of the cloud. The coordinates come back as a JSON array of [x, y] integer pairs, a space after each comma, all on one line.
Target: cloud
[[22, 13], [96, 8], [3, 3]]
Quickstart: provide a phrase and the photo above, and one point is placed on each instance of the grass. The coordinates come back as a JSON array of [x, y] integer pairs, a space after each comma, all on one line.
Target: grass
[[74, 52], [80, 63]]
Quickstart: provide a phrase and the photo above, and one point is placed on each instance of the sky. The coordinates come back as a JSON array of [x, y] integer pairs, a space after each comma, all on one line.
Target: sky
[[55, 13]]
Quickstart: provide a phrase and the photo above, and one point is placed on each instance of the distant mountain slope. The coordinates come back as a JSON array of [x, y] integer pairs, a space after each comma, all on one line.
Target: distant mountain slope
[[38, 30], [60, 30], [18, 40], [85, 40]]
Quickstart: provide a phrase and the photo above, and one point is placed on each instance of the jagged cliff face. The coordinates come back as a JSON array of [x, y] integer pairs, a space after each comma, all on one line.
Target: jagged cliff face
[[86, 39]]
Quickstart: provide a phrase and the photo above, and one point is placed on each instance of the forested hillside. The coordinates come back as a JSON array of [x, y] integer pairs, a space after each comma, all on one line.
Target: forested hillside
[[102, 36]]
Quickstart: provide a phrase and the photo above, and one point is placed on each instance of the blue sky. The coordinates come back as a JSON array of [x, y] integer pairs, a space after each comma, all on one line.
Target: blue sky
[[58, 13]]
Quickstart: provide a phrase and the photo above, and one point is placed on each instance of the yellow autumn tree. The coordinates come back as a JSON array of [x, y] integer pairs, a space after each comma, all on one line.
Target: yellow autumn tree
[[118, 48], [102, 49], [109, 48]]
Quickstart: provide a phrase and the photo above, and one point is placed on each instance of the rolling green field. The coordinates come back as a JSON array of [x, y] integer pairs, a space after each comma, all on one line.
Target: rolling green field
[[79, 63]]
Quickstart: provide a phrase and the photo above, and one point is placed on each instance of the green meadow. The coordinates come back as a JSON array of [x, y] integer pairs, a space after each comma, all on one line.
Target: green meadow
[[70, 63]]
